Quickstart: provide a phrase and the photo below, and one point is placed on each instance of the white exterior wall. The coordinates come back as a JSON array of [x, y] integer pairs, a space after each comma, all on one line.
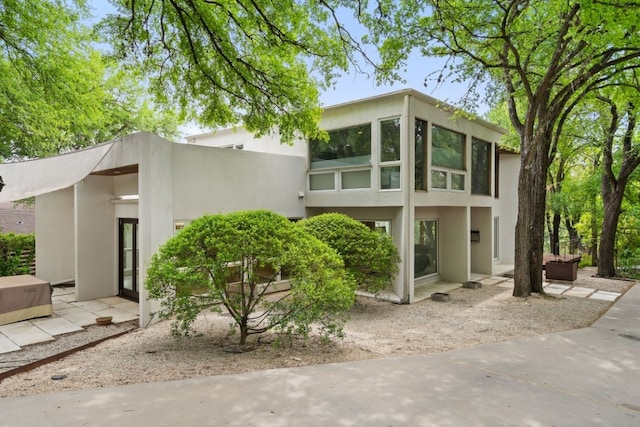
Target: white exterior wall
[[96, 239], [55, 236], [213, 180], [234, 137], [482, 251], [155, 226], [507, 206]]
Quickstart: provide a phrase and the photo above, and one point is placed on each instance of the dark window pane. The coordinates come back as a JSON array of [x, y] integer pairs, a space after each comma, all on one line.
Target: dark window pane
[[480, 167], [390, 177], [390, 140], [447, 148], [421, 155], [346, 147], [438, 179], [425, 261]]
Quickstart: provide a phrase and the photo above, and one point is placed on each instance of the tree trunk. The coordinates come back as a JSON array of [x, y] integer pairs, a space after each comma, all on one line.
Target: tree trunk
[[594, 240], [574, 237], [531, 218], [552, 241], [555, 249], [606, 257]]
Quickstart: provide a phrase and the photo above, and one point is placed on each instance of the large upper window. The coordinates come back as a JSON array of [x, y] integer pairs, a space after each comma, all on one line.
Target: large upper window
[[390, 154], [346, 147], [390, 140], [447, 159], [447, 148], [480, 167]]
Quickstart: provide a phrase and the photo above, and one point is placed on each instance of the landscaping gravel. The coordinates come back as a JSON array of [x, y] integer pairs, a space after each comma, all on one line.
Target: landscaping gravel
[[376, 329]]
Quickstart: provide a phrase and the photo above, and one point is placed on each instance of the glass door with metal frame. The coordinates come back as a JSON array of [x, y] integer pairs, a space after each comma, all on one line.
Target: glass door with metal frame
[[128, 258]]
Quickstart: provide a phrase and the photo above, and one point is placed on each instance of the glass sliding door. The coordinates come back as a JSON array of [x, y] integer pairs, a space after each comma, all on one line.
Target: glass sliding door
[[425, 255], [128, 258]]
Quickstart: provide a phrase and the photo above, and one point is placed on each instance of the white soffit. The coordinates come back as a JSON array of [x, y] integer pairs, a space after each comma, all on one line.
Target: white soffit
[[35, 177]]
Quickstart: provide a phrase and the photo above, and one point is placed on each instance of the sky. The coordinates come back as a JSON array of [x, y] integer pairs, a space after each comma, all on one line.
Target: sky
[[352, 85]]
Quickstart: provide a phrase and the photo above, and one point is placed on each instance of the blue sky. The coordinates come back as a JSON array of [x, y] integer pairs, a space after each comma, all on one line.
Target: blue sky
[[352, 85]]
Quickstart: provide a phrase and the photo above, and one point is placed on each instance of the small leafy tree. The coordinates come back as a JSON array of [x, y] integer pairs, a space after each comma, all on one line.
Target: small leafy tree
[[231, 260], [369, 256]]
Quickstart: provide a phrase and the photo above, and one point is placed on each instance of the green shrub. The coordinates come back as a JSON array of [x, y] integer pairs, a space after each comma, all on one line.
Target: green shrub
[[17, 252], [229, 261], [369, 256]]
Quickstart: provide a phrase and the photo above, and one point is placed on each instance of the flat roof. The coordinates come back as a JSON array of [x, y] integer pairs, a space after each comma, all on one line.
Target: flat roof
[[423, 97]]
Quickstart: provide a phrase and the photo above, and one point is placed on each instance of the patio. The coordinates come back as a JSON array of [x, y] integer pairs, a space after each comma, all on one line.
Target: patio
[[68, 316]]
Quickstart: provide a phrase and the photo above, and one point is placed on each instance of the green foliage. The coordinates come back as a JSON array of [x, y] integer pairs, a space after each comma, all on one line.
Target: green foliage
[[57, 91], [17, 252], [257, 62], [369, 256], [231, 260]]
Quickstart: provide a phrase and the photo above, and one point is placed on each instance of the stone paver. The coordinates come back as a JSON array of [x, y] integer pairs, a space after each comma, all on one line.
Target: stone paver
[[578, 291], [57, 326], [556, 289], [507, 284], [92, 306], [490, 281], [7, 346], [68, 316], [605, 296], [24, 333], [79, 316]]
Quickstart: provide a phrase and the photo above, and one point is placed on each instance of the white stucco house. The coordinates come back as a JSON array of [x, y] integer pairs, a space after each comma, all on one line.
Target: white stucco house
[[439, 185]]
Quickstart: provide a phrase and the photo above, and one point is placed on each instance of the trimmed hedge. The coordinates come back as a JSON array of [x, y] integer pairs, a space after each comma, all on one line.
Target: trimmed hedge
[[369, 256], [17, 253]]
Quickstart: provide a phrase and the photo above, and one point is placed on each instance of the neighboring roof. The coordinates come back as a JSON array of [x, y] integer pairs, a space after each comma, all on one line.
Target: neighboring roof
[[18, 219], [35, 177]]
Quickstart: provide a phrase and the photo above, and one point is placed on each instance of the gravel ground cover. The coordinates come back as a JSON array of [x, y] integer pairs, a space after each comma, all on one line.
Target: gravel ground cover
[[376, 329]]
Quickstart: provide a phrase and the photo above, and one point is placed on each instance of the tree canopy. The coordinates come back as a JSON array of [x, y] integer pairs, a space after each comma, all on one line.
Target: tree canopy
[[259, 63], [57, 91]]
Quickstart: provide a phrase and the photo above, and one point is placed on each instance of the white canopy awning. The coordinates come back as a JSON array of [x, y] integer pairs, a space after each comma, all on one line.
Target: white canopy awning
[[34, 177]]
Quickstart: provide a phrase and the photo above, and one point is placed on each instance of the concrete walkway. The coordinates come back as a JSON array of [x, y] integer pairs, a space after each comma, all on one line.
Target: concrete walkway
[[587, 377]]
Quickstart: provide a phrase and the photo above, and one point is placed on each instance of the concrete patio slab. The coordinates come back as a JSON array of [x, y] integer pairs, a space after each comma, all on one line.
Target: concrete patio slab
[[60, 305], [78, 316], [491, 281], [57, 326], [556, 289], [578, 291], [7, 346], [507, 284], [121, 304], [66, 297], [24, 333], [63, 290], [119, 316], [92, 306], [604, 296]]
